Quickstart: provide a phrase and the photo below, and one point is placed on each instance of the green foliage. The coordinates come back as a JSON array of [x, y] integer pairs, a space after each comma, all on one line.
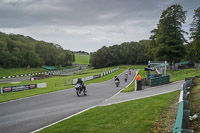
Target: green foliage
[[193, 49], [135, 116], [21, 51], [168, 38], [126, 53], [82, 59]]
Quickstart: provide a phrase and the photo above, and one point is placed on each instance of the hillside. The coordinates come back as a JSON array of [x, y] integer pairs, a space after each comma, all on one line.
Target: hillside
[[82, 59], [22, 51]]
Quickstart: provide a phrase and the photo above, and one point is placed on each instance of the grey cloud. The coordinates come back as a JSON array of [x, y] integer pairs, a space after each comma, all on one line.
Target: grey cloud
[[78, 12], [86, 24]]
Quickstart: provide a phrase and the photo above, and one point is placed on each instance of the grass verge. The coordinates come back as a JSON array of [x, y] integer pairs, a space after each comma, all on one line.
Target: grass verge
[[182, 74], [137, 116], [194, 105]]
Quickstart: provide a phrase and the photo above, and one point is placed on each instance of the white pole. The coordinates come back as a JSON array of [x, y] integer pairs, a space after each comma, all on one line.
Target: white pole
[[165, 67], [135, 85]]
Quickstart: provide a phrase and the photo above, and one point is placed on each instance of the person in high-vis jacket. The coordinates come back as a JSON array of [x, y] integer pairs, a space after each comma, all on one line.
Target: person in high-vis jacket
[[138, 77], [139, 82]]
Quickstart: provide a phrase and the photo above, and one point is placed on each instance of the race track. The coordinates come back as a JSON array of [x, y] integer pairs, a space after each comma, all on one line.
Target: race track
[[29, 114]]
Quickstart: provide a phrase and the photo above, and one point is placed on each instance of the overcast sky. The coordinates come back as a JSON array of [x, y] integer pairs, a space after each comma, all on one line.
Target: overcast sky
[[87, 24]]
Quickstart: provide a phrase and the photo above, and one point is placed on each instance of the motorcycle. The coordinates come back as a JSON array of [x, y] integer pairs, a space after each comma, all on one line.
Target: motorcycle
[[129, 72], [79, 89], [125, 79], [117, 83]]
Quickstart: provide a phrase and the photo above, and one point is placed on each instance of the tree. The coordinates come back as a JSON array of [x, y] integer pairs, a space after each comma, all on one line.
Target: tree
[[153, 47], [169, 36], [114, 55], [102, 56], [93, 57], [195, 35], [21, 51]]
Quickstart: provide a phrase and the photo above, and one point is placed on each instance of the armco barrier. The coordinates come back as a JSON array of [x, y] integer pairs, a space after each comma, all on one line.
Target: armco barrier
[[182, 118], [57, 72], [95, 76], [160, 80], [24, 75]]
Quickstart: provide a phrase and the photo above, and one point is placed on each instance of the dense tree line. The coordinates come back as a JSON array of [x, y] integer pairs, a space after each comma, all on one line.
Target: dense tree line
[[167, 42], [126, 53], [23, 51], [81, 52]]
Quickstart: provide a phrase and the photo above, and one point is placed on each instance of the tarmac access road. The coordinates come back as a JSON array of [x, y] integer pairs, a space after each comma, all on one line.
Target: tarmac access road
[[29, 114], [14, 79]]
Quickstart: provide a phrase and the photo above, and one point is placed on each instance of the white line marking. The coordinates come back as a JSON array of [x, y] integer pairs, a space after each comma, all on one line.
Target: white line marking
[[64, 119], [138, 98], [118, 91]]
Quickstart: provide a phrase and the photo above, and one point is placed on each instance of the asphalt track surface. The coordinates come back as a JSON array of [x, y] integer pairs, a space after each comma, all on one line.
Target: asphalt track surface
[[29, 114], [14, 79]]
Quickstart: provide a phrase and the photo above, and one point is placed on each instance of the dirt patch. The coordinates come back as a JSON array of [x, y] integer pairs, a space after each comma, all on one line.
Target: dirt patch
[[194, 105], [165, 123]]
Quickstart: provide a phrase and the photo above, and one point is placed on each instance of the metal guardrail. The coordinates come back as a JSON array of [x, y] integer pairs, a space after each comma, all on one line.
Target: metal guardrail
[[182, 118], [96, 76], [56, 72]]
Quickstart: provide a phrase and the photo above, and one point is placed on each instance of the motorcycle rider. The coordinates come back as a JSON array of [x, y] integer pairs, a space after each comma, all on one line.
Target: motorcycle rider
[[126, 76], [79, 81], [116, 78]]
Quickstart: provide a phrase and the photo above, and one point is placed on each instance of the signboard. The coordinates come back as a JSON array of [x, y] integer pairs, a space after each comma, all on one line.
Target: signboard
[[19, 88], [32, 86], [7, 89]]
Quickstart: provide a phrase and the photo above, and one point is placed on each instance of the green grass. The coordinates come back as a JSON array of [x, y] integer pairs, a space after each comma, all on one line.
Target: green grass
[[82, 59], [137, 116], [17, 71], [182, 74], [51, 84]]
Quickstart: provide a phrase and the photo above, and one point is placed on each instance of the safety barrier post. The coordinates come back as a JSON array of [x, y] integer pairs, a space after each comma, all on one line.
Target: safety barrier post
[[182, 118]]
